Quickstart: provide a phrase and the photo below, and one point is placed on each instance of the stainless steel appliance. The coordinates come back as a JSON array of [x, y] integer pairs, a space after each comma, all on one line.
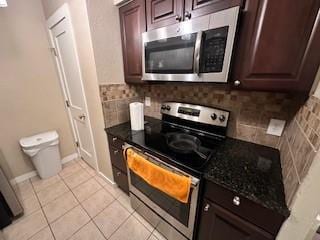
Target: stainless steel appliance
[[181, 143], [9, 204], [198, 50]]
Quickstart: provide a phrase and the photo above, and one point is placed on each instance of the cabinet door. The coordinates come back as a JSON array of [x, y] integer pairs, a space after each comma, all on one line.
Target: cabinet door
[[133, 24], [278, 46], [162, 13], [121, 179], [196, 8], [217, 223]]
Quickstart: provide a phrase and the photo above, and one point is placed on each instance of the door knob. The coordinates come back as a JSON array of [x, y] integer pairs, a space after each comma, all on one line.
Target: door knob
[[82, 117], [178, 18], [187, 15]]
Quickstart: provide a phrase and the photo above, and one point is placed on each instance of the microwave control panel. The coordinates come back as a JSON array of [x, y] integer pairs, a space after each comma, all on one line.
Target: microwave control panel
[[213, 51]]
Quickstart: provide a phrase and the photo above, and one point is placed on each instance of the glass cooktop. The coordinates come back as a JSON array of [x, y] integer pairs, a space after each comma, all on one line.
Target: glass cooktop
[[155, 138]]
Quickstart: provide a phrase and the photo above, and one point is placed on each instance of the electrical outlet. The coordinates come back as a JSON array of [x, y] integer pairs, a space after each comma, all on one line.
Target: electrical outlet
[[147, 101], [276, 127]]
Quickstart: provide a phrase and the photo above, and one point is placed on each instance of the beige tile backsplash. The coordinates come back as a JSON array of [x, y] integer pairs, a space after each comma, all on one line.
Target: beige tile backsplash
[[250, 111], [299, 144], [250, 116]]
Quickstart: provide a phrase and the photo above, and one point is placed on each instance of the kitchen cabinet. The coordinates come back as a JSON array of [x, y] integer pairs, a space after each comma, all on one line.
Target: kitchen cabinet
[[218, 223], [226, 215], [132, 24], [197, 8], [162, 13], [278, 47], [119, 168]]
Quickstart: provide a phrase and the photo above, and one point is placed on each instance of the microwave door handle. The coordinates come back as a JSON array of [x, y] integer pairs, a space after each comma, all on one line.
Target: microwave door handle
[[196, 61]]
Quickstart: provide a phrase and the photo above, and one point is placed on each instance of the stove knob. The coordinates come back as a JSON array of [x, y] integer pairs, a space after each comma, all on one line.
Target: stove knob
[[168, 107], [213, 116], [222, 118], [163, 107]]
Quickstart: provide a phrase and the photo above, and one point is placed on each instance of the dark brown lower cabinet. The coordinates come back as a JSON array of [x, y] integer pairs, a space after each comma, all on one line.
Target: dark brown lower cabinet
[[217, 223], [121, 179], [119, 167]]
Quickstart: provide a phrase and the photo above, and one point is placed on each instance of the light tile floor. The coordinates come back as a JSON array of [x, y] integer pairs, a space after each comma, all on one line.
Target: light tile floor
[[76, 204]]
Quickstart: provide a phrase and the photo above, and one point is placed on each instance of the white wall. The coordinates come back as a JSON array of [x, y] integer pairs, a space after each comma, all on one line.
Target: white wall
[[30, 95], [80, 22], [106, 39]]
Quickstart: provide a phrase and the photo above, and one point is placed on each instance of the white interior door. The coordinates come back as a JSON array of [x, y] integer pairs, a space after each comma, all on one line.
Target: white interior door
[[64, 46]]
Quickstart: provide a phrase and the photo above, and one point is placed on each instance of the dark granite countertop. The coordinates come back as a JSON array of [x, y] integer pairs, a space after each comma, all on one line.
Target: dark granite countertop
[[250, 170]]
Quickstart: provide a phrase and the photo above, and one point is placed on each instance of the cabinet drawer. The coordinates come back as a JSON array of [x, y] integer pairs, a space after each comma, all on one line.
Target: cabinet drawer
[[117, 158], [121, 179], [115, 141], [265, 218]]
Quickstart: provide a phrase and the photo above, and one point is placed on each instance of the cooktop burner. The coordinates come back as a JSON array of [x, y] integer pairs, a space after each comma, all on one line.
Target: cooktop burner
[[186, 135]]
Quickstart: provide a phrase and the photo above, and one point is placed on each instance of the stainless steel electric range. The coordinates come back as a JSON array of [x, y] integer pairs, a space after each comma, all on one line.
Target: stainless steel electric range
[[181, 143]]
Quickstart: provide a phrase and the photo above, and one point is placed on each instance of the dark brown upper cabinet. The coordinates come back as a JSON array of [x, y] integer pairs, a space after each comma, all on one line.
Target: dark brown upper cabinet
[[278, 47], [217, 223], [161, 13], [133, 24], [197, 8]]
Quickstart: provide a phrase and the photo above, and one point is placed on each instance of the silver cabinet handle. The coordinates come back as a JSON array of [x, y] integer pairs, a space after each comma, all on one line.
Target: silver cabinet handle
[[114, 139], [237, 83], [206, 207], [178, 18], [236, 201], [118, 174], [115, 151], [187, 15]]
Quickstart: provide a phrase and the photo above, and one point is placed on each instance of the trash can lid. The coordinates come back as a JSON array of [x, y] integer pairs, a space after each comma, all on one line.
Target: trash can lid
[[39, 139]]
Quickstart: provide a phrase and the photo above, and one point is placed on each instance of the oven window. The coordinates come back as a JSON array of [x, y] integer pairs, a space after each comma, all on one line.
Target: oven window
[[175, 208], [170, 55]]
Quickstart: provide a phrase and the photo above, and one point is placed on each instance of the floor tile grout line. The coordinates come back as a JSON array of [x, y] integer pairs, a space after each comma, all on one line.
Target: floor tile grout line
[[46, 186], [91, 219], [79, 204], [41, 208]]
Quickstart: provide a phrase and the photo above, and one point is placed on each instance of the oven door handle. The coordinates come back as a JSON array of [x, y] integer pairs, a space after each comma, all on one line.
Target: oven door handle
[[197, 52], [194, 181]]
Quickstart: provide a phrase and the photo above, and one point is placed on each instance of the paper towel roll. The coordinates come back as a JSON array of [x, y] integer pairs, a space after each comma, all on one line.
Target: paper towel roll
[[136, 116]]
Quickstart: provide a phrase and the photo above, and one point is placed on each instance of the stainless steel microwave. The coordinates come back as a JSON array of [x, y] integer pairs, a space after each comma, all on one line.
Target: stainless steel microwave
[[197, 50]]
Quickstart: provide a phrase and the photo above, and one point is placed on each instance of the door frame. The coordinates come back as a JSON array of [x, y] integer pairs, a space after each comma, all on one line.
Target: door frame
[[60, 14]]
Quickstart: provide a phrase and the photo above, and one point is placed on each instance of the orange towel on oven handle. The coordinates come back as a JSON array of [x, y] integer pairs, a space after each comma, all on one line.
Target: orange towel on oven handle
[[175, 185]]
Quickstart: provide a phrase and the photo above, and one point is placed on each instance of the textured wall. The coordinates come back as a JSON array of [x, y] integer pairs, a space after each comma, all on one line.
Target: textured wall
[[106, 39], [30, 95], [250, 111]]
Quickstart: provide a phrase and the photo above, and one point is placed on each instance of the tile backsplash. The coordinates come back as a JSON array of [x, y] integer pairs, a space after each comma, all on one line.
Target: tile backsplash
[[250, 111], [298, 146]]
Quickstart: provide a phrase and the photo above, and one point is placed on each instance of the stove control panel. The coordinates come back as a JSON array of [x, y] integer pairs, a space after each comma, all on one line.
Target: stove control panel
[[197, 113]]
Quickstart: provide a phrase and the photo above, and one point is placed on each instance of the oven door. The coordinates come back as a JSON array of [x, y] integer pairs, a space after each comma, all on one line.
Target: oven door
[[180, 215]]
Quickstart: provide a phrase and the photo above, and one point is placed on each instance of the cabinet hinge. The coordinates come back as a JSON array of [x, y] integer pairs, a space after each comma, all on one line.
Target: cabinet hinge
[[54, 51], [77, 144], [67, 103]]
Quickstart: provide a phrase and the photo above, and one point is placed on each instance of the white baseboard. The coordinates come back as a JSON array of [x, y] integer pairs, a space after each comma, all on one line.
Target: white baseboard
[[69, 158], [106, 178], [31, 174], [23, 177]]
